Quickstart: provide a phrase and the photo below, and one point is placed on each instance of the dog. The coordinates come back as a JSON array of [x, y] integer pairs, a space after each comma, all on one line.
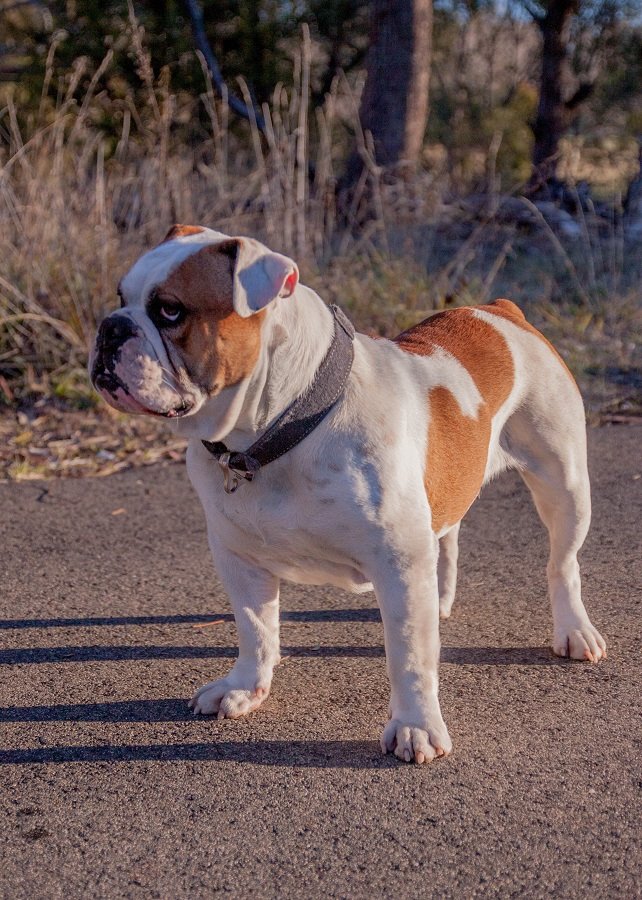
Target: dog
[[217, 334]]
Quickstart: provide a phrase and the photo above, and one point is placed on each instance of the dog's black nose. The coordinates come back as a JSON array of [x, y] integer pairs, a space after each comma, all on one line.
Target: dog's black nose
[[106, 381], [113, 333]]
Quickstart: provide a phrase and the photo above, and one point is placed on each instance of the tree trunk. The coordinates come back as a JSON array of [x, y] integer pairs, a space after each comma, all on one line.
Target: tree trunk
[[553, 112], [394, 106]]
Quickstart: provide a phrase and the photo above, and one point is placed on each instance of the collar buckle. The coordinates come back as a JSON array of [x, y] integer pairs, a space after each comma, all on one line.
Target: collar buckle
[[233, 477]]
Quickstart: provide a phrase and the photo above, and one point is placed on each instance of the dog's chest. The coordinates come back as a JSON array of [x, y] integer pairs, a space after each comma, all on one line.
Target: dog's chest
[[302, 525]]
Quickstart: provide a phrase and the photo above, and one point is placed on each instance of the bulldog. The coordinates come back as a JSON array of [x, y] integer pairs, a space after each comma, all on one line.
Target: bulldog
[[325, 457]]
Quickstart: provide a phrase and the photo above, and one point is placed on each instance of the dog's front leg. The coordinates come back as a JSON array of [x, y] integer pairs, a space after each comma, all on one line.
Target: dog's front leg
[[408, 595], [254, 594]]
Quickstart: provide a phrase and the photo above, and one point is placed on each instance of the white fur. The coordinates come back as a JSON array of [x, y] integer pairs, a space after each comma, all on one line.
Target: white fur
[[155, 266], [348, 505]]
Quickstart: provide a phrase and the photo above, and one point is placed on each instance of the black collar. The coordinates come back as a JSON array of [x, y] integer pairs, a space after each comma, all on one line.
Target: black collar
[[298, 419]]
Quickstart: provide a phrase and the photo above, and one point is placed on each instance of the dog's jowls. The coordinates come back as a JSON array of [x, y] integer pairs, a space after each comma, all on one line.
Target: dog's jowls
[[217, 334]]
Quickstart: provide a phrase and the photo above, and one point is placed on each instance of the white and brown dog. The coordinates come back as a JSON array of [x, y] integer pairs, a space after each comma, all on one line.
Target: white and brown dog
[[217, 333]]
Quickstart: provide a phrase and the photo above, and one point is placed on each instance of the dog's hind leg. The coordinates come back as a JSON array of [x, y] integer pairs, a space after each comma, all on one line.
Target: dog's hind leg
[[552, 462], [447, 570]]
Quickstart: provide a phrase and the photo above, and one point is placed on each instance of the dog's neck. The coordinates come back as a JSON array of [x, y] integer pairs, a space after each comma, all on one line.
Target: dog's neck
[[295, 336]]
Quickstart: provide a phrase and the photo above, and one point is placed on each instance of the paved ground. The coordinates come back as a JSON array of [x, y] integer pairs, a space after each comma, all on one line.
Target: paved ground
[[110, 788]]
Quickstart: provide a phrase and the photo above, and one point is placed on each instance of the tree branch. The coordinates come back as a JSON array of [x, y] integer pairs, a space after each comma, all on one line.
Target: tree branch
[[581, 94], [195, 14]]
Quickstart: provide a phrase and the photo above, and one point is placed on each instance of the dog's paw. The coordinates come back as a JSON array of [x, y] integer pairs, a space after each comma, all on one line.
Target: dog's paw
[[226, 700], [414, 744], [446, 605], [580, 641]]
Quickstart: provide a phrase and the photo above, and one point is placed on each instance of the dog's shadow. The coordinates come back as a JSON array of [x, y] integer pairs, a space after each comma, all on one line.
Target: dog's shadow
[[501, 656], [176, 710], [365, 614], [306, 754], [309, 754], [462, 656], [529, 656]]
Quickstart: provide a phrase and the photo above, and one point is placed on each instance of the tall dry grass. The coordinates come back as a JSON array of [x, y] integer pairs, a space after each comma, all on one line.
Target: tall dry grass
[[76, 211]]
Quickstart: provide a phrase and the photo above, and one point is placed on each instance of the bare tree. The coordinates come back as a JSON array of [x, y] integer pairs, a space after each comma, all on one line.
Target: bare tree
[[557, 104], [394, 105]]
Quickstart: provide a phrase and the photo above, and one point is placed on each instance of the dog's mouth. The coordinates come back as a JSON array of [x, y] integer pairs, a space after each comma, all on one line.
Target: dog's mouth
[[114, 391]]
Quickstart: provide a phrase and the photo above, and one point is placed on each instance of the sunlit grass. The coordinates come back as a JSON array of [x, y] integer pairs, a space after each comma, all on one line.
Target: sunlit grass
[[76, 210]]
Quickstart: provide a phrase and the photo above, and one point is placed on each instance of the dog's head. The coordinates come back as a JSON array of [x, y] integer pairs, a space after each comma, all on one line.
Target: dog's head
[[190, 321]]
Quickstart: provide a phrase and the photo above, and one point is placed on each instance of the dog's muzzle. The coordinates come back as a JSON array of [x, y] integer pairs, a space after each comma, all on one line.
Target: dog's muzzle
[[112, 334], [127, 373]]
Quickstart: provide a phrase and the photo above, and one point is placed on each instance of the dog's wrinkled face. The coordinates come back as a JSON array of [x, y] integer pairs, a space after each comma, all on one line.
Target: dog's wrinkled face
[[190, 322]]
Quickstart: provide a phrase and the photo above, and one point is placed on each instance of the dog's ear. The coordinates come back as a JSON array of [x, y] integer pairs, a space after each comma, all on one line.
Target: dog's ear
[[259, 275], [178, 231]]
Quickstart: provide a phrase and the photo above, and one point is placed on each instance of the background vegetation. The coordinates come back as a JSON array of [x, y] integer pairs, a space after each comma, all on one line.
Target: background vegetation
[[110, 131]]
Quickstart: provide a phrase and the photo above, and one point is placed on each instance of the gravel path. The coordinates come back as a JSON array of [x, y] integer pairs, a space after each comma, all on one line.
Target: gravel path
[[111, 615]]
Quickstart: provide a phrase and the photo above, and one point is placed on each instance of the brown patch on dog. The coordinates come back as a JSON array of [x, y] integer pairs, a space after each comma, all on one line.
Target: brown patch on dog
[[457, 444], [509, 310], [479, 347], [457, 454], [177, 231], [219, 347]]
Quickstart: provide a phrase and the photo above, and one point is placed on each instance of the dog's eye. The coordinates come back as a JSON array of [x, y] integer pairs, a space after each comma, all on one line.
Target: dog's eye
[[166, 312], [170, 312]]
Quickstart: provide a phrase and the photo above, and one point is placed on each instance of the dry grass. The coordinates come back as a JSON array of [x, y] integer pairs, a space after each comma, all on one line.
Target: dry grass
[[75, 213], [53, 441]]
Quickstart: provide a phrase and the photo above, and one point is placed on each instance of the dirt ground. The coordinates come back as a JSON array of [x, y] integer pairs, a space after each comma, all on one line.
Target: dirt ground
[[111, 615]]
